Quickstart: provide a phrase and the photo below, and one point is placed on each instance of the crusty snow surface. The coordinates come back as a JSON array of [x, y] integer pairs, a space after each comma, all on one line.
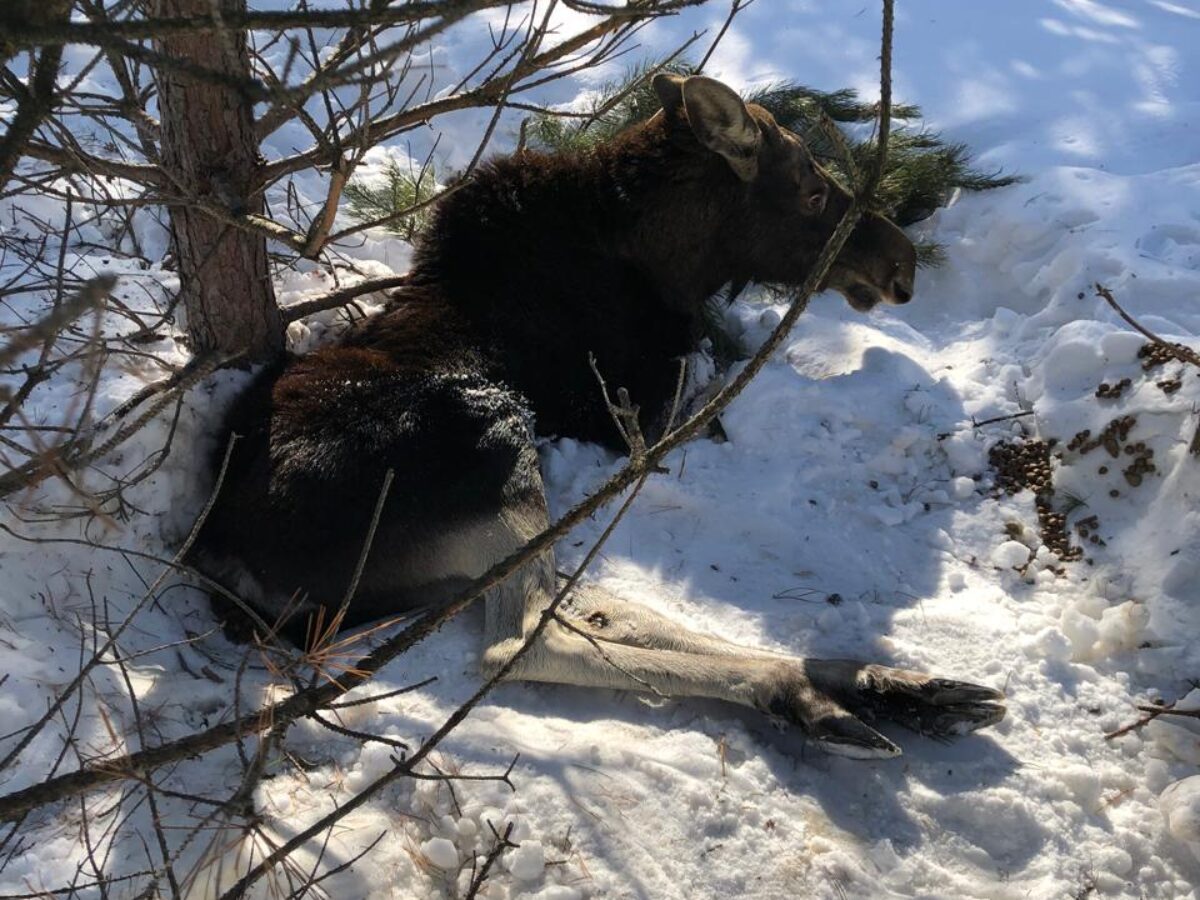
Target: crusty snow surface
[[851, 513]]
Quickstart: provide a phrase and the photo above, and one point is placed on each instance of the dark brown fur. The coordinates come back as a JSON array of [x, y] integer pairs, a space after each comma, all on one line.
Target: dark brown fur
[[537, 261]]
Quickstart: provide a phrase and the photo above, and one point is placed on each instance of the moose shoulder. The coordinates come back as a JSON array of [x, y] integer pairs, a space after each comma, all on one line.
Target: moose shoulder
[[535, 263]]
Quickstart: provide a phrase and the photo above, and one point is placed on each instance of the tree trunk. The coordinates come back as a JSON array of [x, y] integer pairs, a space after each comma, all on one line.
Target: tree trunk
[[210, 154]]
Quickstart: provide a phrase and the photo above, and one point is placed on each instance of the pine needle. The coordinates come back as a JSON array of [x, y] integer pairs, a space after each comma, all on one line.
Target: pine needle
[[370, 200], [922, 173]]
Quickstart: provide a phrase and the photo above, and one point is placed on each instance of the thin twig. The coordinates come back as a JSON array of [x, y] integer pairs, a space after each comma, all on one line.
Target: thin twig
[[734, 8], [1181, 353], [115, 635], [91, 296], [500, 844]]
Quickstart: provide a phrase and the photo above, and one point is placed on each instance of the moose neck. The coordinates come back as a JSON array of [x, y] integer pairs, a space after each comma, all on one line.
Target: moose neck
[[642, 203], [548, 260]]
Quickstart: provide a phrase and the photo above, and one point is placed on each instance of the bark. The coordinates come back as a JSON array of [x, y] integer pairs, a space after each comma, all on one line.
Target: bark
[[210, 155], [38, 99]]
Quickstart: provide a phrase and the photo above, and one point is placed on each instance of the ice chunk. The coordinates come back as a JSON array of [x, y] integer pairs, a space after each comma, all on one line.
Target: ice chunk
[[1010, 555], [1180, 805], [527, 861], [441, 852]]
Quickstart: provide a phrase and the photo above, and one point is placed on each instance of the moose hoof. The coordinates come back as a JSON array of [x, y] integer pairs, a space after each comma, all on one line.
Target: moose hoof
[[834, 697], [847, 735], [938, 707]]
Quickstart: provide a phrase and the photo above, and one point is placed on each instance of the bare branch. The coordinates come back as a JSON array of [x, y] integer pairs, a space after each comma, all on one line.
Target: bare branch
[[484, 95], [735, 7], [99, 34], [1179, 351], [91, 296], [116, 633], [35, 102], [341, 297], [502, 843]]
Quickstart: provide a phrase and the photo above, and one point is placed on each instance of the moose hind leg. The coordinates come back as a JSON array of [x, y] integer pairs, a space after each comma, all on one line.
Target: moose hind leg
[[600, 640], [604, 616], [938, 707]]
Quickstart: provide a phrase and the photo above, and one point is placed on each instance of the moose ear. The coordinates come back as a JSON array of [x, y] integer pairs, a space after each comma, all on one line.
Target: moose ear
[[721, 122], [670, 91]]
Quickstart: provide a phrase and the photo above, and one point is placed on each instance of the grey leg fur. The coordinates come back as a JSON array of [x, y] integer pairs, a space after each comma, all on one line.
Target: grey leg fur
[[599, 640]]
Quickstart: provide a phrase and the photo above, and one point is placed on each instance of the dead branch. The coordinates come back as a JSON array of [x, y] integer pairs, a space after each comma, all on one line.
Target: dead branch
[[91, 296], [116, 633], [35, 102], [319, 233], [867, 190], [501, 844], [1009, 418], [80, 451], [1180, 352], [332, 300], [72, 159], [24, 34], [484, 95], [1151, 713], [735, 7]]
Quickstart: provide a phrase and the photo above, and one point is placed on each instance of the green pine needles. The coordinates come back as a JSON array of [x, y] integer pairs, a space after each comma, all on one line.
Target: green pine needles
[[389, 201], [921, 174], [922, 170]]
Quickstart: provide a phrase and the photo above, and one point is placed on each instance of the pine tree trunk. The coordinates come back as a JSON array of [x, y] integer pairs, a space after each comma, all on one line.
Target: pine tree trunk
[[210, 152]]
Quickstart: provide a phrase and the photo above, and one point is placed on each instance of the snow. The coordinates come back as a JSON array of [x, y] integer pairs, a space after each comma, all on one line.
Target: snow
[[1181, 806], [527, 861], [851, 513], [442, 852]]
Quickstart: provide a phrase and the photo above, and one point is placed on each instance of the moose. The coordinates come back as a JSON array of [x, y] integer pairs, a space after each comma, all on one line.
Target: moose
[[535, 262]]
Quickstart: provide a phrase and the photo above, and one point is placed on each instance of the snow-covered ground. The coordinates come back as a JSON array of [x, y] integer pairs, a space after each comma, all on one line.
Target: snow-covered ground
[[852, 513]]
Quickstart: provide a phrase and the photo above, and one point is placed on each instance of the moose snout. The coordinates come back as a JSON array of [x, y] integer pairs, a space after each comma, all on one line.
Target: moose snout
[[902, 290]]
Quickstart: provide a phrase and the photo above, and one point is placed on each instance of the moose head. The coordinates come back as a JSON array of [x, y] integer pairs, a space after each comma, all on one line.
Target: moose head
[[770, 206]]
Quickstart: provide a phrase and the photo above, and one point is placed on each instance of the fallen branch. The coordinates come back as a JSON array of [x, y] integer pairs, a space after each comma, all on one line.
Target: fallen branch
[[1180, 352], [297, 311], [501, 844], [81, 452], [1152, 713], [995, 419]]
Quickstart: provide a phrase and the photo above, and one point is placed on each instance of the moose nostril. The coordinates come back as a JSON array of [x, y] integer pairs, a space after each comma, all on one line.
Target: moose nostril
[[901, 293]]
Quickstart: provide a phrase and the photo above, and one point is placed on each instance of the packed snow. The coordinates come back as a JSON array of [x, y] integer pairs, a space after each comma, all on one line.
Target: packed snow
[[852, 512]]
